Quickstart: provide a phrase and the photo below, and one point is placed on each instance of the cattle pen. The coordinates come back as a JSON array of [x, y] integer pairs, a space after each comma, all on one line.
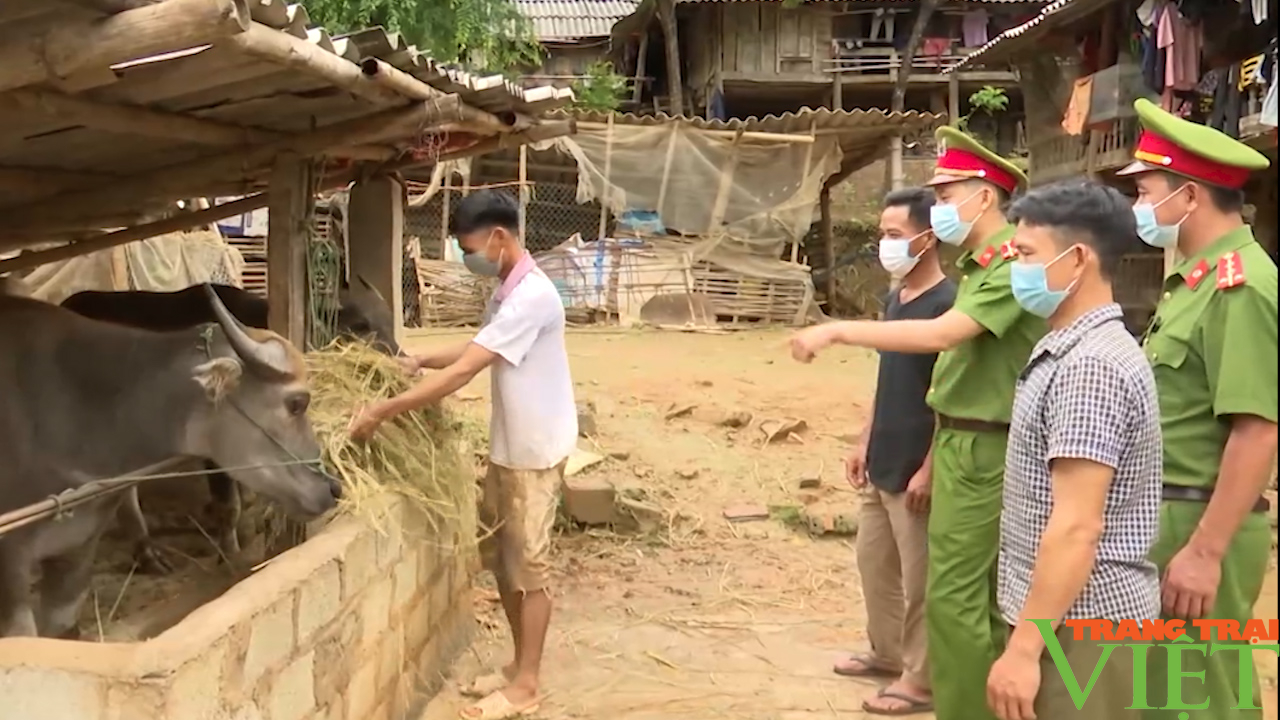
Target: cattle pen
[[113, 115]]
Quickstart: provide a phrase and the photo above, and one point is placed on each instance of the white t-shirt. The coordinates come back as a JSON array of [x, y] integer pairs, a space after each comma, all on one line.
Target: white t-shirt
[[534, 424]]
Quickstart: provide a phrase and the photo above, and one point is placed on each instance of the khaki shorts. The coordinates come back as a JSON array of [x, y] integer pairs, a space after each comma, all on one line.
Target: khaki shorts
[[517, 513]]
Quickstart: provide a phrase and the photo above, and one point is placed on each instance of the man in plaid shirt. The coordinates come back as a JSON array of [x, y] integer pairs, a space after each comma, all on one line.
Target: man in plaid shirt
[[1083, 470]]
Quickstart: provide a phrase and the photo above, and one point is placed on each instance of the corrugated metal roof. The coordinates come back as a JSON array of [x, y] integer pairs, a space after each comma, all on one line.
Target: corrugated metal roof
[[1002, 46], [574, 19], [221, 83], [862, 134]]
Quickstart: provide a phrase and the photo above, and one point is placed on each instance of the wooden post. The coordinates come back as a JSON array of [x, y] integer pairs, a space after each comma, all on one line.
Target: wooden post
[[837, 90], [804, 175], [446, 201], [953, 97], [675, 86], [726, 187], [287, 237], [637, 91], [524, 193], [604, 184], [376, 225], [826, 228]]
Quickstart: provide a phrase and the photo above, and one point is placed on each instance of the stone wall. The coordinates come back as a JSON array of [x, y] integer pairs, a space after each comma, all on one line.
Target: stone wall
[[358, 623]]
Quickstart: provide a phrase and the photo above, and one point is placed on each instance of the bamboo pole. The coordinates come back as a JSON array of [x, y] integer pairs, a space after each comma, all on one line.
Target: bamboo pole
[[726, 187], [604, 185], [409, 87], [132, 34], [184, 179], [283, 49], [666, 168], [524, 192], [130, 120]]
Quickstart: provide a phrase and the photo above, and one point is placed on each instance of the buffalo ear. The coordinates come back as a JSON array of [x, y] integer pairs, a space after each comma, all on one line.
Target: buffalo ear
[[218, 377]]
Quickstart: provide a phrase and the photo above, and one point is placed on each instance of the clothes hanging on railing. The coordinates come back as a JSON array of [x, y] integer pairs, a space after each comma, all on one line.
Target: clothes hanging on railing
[[974, 27], [1182, 42]]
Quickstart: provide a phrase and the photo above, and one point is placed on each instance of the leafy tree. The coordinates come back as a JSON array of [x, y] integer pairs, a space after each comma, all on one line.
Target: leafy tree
[[488, 35], [601, 89]]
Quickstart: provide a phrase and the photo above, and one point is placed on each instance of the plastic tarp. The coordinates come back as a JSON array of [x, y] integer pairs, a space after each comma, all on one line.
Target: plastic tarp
[[160, 264], [761, 191]]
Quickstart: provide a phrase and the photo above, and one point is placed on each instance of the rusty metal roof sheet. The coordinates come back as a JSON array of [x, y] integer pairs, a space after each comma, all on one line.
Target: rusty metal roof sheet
[[1022, 37], [570, 20], [218, 83]]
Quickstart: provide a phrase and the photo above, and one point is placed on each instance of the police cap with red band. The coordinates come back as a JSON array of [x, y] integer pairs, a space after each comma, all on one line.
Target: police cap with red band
[[961, 158], [1191, 150]]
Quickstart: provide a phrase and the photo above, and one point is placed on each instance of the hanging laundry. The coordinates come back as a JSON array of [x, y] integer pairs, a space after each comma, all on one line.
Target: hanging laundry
[[935, 47], [1260, 12], [1077, 116], [1152, 61], [1182, 43], [1148, 12], [1251, 72], [1269, 107], [974, 28]]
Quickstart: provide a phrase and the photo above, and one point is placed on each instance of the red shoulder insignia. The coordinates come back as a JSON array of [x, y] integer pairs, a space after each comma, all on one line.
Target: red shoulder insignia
[[1230, 271], [1197, 274], [1008, 251], [985, 258]]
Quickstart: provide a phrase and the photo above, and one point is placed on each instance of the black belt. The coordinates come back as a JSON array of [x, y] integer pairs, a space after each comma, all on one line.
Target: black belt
[[1184, 493], [966, 425]]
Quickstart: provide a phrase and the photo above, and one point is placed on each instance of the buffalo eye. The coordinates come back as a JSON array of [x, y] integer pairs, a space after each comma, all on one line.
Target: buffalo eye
[[297, 403]]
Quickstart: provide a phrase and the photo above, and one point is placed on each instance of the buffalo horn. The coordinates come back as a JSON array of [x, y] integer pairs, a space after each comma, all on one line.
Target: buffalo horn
[[264, 356]]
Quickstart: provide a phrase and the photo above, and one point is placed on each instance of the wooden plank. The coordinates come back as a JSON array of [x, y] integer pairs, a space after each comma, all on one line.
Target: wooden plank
[[290, 207]]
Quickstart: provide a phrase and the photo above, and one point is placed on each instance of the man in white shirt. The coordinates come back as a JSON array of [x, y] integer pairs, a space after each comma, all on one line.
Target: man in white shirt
[[532, 432]]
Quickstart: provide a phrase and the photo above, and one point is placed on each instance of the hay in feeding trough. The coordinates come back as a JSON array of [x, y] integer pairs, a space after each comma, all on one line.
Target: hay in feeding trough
[[427, 456]]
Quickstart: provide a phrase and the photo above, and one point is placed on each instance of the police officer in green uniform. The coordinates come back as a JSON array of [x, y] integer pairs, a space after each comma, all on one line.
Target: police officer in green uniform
[[1212, 345], [984, 341]]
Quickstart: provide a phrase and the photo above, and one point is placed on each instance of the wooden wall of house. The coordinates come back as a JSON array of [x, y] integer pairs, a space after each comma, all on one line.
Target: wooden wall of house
[[756, 41], [562, 62]]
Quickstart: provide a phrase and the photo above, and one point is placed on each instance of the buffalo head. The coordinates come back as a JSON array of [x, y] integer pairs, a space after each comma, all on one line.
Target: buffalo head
[[254, 425]]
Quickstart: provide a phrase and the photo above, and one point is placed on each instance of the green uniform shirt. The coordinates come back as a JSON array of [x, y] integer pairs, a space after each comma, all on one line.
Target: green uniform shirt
[[976, 379], [1212, 347]]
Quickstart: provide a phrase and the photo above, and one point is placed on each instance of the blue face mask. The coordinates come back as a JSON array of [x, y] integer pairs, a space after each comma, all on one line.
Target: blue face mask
[[946, 223], [1031, 287], [1150, 230], [481, 265]]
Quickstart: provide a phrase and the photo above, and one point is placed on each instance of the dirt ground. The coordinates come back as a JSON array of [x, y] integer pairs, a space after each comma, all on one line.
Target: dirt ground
[[704, 619]]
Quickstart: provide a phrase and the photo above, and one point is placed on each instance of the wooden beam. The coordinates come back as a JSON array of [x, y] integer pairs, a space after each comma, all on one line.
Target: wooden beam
[[637, 90], [826, 228], [129, 35], [186, 179], [283, 49], [111, 7], [35, 181], [177, 223], [409, 87], [671, 41], [287, 238], [131, 120]]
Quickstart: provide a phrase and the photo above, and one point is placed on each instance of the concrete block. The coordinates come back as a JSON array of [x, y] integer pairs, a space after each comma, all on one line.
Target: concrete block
[[50, 694], [375, 611], [196, 690], [439, 599], [292, 694], [319, 600], [417, 628], [406, 574], [271, 641], [359, 564], [589, 500], [390, 659], [362, 694], [390, 541]]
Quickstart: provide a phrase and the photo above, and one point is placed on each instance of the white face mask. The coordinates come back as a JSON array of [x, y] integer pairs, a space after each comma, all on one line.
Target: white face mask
[[896, 257]]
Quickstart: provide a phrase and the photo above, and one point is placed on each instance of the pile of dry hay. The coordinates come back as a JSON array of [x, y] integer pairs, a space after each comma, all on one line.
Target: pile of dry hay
[[426, 456]]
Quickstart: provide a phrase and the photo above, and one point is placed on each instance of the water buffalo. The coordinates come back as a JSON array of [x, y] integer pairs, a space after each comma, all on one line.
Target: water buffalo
[[82, 399], [362, 313]]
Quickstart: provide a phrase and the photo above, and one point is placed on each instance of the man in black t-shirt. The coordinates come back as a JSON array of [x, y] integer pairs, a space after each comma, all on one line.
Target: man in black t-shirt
[[890, 465]]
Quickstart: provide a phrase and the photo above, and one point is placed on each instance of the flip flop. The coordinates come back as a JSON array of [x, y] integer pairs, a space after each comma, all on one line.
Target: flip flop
[[485, 685], [869, 668], [914, 706], [496, 706]]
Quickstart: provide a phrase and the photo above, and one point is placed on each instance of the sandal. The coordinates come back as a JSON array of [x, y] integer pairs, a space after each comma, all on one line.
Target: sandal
[[497, 707], [485, 685], [914, 705], [870, 667]]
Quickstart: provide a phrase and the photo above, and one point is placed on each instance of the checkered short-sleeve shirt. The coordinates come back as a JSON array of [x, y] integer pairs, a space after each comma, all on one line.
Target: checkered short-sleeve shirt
[[1087, 392]]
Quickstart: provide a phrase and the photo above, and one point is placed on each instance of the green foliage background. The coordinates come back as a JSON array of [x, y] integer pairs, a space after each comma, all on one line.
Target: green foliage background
[[485, 35]]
